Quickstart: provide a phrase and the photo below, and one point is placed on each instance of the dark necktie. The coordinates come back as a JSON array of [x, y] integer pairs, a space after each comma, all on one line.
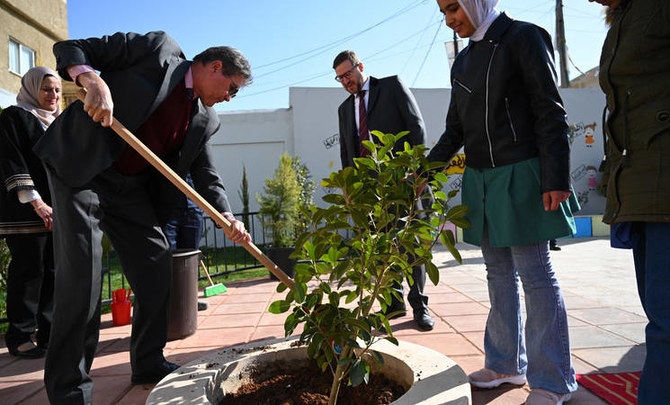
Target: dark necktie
[[363, 132]]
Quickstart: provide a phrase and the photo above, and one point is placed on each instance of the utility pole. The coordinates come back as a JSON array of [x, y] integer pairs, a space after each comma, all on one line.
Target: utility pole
[[560, 44]]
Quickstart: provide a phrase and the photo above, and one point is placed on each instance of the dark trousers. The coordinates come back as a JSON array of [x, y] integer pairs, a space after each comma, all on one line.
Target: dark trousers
[[652, 268], [30, 288], [121, 206], [416, 298]]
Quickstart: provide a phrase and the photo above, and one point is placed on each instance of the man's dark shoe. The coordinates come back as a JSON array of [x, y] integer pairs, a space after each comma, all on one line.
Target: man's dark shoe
[[27, 350], [202, 305], [154, 376], [424, 320]]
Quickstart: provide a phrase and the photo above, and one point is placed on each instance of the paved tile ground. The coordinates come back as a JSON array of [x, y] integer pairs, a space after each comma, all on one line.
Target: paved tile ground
[[605, 318]]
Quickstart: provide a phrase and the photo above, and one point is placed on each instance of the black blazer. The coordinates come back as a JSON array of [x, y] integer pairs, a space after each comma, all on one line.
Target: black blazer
[[141, 71], [391, 109], [20, 169]]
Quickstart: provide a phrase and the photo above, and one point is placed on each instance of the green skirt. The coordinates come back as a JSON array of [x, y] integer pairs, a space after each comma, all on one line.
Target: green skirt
[[508, 200]]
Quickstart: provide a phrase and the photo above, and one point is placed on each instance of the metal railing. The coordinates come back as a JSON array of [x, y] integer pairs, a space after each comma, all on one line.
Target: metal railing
[[216, 249], [219, 254]]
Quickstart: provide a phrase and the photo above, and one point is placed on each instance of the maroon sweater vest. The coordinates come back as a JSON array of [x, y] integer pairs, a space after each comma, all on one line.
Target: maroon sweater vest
[[163, 132]]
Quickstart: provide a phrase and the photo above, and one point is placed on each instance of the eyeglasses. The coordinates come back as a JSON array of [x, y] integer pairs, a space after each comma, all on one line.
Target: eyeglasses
[[346, 74], [233, 88]]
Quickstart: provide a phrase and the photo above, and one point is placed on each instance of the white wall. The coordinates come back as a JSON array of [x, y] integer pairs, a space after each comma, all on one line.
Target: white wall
[[309, 129], [7, 98], [254, 139]]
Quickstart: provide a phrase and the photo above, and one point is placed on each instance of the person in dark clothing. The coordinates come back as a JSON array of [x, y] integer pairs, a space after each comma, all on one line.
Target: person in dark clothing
[[26, 213], [635, 76], [99, 183], [506, 112], [388, 106]]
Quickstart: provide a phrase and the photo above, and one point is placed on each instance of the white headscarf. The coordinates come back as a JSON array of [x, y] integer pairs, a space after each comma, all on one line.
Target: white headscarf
[[481, 13], [31, 83]]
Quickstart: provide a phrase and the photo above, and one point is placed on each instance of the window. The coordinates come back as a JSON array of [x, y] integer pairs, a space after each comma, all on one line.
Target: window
[[21, 58]]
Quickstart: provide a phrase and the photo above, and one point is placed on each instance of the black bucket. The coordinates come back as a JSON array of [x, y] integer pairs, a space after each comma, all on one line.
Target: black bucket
[[184, 294]]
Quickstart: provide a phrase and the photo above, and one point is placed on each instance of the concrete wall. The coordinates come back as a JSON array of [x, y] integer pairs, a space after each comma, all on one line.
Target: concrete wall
[[37, 24], [254, 140], [309, 129]]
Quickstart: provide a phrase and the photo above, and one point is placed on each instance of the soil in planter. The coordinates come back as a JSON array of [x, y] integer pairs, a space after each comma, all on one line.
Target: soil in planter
[[307, 385]]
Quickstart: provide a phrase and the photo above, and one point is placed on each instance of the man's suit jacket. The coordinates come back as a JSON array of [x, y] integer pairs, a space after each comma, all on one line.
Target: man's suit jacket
[[141, 71], [391, 109]]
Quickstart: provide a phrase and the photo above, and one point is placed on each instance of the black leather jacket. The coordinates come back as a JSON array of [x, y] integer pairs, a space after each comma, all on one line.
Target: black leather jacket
[[505, 106]]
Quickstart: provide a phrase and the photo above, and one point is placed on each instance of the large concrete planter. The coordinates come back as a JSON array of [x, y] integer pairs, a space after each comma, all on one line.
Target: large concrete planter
[[432, 378]]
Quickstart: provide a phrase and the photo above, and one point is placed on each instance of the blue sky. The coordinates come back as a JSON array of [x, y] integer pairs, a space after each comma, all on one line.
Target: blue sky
[[292, 43]]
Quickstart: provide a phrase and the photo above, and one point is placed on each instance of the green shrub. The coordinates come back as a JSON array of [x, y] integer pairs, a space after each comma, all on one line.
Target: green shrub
[[375, 205]]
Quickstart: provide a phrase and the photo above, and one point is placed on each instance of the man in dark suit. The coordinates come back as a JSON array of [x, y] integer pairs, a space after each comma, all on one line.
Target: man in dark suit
[[388, 106], [100, 184]]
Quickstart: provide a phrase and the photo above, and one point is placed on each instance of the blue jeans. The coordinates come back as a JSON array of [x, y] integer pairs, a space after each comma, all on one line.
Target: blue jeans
[[184, 229], [544, 356], [652, 268]]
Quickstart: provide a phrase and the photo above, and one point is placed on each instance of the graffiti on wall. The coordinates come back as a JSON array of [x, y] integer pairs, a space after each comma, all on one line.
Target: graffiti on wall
[[586, 153]]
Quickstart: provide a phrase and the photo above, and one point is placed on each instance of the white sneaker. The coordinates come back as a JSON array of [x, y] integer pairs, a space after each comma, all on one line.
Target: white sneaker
[[487, 378], [538, 396]]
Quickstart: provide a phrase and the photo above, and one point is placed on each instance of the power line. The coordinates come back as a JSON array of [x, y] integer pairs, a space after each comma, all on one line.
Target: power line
[[427, 53], [430, 23], [370, 57], [321, 49]]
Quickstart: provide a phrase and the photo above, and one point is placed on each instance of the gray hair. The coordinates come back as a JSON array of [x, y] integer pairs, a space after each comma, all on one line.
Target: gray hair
[[234, 63]]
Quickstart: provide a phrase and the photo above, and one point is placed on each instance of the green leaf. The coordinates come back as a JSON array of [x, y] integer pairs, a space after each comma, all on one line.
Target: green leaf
[[440, 195], [441, 177], [360, 373], [447, 237], [458, 211], [392, 340], [279, 307], [455, 253], [460, 222], [433, 272], [333, 199], [357, 323], [299, 291]]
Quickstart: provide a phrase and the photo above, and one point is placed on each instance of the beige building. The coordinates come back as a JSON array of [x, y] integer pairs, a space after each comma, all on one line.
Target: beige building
[[28, 30], [588, 80]]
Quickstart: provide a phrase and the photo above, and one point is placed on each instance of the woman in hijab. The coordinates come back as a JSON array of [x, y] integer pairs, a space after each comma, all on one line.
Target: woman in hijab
[[26, 214], [506, 112]]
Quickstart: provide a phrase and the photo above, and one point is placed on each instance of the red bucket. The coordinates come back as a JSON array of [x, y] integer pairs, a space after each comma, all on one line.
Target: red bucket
[[121, 307]]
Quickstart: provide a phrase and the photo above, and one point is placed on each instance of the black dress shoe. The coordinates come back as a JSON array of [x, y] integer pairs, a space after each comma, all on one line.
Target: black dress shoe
[[28, 352], [154, 376], [424, 320]]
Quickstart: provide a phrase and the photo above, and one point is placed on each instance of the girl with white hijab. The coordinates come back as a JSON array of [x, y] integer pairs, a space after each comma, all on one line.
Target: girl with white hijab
[[26, 214], [506, 112]]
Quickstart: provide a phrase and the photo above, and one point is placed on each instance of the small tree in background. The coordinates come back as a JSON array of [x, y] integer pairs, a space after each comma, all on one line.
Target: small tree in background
[[243, 192], [306, 200], [279, 203]]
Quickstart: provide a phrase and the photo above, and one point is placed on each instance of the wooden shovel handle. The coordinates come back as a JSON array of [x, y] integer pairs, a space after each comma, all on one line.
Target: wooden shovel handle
[[174, 178]]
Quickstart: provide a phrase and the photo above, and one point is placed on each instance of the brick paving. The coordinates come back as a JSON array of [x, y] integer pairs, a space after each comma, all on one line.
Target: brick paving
[[605, 318]]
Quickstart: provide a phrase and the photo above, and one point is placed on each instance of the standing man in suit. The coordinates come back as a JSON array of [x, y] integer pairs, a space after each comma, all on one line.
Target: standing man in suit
[[101, 184], [388, 106]]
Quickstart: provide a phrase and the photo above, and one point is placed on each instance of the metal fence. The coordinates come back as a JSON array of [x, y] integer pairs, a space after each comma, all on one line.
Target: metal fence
[[216, 248]]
